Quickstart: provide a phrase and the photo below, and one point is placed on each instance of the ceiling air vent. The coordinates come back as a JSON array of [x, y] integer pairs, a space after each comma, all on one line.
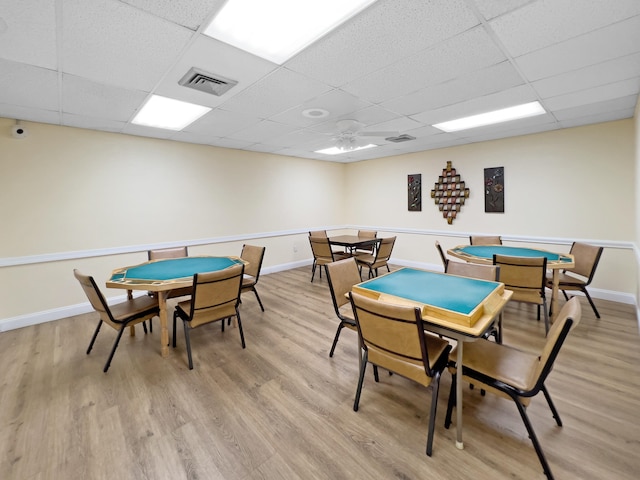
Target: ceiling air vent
[[206, 82], [400, 138]]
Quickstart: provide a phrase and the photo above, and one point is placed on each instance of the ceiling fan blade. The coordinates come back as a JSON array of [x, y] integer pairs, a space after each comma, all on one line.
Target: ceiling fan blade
[[378, 134]]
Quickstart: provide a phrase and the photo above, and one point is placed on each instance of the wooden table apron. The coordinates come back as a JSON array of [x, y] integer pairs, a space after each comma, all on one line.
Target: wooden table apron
[[162, 276], [444, 308], [483, 254]]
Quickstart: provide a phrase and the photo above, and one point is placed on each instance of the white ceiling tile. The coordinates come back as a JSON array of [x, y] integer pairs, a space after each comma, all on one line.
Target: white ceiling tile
[[30, 34], [29, 86], [598, 118], [467, 52], [221, 123], [29, 113], [116, 44], [611, 71], [487, 103], [261, 131], [386, 32], [481, 82], [600, 93], [189, 14], [92, 123], [142, 131], [276, 93], [598, 46], [597, 109], [493, 8], [91, 99], [547, 22]]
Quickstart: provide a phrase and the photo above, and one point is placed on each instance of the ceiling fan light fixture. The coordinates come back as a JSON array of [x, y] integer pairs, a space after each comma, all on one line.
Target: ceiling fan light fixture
[[337, 150]]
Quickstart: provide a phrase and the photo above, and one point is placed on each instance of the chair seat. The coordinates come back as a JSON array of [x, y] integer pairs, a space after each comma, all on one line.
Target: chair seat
[[566, 280], [501, 362], [248, 281], [136, 306], [346, 312]]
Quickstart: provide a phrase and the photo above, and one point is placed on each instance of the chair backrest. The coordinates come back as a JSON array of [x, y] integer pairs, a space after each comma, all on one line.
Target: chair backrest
[[215, 295], [567, 319], [174, 252], [586, 258], [384, 249], [474, 270], [443, 257], [393, 336], [525, 276], [342, 275], [320, 247], [367, 233], [485, 240], [254, 256], [318, 233], [95, 296]]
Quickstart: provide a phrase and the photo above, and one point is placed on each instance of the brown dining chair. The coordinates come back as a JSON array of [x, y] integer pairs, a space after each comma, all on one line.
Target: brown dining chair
[[393, 337], [586, 259], [253, 256], [368, 249], [526, 277], [485, 240], [383, 249], [322, 254], [342, 276], [318, 233], [216, 296], [443, 257], [118, 316], [516, 374], [480, 272]]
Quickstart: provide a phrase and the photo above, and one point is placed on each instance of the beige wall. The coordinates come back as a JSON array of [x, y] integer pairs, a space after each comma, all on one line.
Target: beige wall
[[75, 198], [637, 202]]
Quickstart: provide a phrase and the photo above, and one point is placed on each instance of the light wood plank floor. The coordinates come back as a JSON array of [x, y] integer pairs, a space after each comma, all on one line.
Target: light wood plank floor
[[282, 409]]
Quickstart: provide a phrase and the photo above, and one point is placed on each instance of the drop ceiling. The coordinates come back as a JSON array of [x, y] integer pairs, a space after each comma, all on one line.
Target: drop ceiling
[[400, 66]]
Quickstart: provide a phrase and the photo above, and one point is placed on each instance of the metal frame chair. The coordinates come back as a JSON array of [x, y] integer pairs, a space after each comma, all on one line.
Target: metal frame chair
[[253, 256]]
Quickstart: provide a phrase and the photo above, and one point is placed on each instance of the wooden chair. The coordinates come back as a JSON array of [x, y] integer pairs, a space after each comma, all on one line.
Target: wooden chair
[[516, 374], [322, 253], [342, 276], [253, 256], [393, 337], [481, 272], [485, 240], [216, 296], [373, 262], [586, 259], [365, 250], [119, 316], [526, 277], [165, 253], [443, 257]]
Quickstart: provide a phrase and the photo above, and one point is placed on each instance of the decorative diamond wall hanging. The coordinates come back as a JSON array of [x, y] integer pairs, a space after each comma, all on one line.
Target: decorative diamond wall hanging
[[449, 193]]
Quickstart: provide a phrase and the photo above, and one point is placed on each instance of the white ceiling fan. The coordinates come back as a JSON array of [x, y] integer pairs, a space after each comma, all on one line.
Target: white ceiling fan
[[350, 131]]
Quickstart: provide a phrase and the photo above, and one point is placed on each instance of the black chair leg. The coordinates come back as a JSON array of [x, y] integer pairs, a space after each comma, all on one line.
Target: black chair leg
[[93, 338], [534, 440], [144, 327], [113, 349], [593, 305], [240, 328], [363, 368], [451, 403], [554, 412], [175, 315], [258, 297], [313, 270], [188, 340], [335, 339], [435, 385]]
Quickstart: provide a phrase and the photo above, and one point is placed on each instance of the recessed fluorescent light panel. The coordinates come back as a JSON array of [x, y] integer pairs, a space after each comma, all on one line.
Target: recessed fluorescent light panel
[[337, 151], [497, 116], [278, 29], [167, 113]]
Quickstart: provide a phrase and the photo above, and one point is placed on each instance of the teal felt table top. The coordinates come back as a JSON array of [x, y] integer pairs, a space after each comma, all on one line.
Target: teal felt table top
[[487, 251], [458, 294], [175, 268]]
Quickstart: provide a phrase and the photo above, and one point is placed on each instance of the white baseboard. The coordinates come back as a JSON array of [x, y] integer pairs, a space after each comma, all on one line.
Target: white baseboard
[[79, 309]]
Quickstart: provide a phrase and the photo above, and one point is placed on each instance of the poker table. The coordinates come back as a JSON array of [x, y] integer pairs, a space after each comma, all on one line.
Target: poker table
[[483, 254], [461, 308], [164, 275]]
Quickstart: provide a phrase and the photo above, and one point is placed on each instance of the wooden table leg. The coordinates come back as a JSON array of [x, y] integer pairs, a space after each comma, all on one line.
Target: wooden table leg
[[164, 330]]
